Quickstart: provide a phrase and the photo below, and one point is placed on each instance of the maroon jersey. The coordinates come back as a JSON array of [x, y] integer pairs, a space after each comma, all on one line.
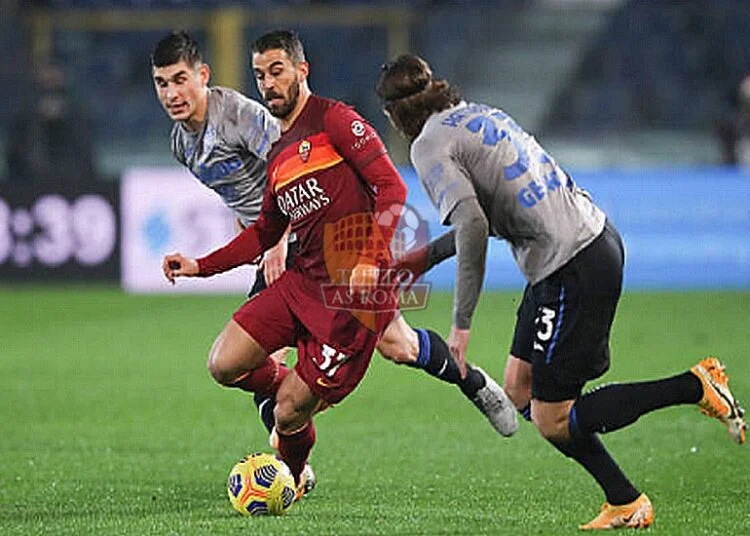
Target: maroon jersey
[[315, 175], [328, 175]]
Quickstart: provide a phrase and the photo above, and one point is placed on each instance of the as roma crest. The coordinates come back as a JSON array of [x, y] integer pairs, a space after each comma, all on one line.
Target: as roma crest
[[304, 150]]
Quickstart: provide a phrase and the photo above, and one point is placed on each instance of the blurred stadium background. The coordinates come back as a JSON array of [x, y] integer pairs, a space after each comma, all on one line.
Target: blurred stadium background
[[630, 95]]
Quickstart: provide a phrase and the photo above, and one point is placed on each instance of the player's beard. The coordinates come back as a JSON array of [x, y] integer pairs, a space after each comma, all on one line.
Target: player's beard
[[289, 104]]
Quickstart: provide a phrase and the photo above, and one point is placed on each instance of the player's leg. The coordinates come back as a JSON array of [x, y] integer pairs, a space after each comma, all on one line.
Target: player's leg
[[265, 404], [295, 433], [234, 357], [615, 406], [322, 377], [517, 377], [574, 310], [240, 355], [424, 349], [517, 384], [625, 505]]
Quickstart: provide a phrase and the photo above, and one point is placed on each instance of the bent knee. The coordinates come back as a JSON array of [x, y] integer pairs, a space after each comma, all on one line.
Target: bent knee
[[219, 371], [397, 354], [519, 394], [553, 429], [517, 381], [222, 366]]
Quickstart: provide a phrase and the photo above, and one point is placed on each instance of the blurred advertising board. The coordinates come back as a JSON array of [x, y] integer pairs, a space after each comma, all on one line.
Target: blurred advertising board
[[684, 228], [166, 210], [54, 232]]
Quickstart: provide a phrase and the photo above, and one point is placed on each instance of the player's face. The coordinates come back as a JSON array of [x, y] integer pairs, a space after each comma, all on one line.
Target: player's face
[[182, 91], [279, 79]]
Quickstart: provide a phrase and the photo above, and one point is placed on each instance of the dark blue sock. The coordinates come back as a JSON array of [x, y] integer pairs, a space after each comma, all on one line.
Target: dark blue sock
[[435, 359], [424, 348], [265, 405]]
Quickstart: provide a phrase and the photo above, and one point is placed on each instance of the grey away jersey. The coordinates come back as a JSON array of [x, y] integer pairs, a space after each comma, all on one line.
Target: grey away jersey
[[229, 154], [473, 150]]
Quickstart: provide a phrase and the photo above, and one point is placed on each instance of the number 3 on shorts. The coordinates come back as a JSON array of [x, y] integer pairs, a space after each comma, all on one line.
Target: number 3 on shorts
[[332, 360], [545, 322]]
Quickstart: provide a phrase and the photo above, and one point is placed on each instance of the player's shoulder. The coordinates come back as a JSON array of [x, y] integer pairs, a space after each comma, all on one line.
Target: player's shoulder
[[334, 109], [430, 140], [319, 114], [232, 101], [324, 103]]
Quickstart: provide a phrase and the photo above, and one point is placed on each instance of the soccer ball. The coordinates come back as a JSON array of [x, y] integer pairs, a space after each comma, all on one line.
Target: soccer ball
[[261, 484]]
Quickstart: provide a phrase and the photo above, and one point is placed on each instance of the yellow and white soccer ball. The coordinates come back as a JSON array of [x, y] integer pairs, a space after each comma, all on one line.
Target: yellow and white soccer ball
[[261, 484]]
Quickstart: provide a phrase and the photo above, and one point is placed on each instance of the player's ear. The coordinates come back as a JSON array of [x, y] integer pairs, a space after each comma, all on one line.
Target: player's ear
[[303, 68], [204, 73]]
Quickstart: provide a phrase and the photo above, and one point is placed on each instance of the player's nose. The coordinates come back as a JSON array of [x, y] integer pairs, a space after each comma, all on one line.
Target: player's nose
[[171, 92], [267, 83]]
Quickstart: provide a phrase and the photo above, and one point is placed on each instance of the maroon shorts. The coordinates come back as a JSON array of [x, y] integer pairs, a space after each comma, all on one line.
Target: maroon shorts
[[330, 371]]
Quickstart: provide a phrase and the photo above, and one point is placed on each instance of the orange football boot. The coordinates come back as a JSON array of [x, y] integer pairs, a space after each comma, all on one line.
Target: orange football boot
[[717, 400], [636, 515]]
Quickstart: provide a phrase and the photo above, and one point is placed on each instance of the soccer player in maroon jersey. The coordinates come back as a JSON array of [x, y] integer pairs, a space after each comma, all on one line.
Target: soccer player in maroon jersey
[[224, 138], [329, 176], [320, 183]]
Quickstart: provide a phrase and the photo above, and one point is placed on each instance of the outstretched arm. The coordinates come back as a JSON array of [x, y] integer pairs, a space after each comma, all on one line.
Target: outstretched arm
[[243, 249]]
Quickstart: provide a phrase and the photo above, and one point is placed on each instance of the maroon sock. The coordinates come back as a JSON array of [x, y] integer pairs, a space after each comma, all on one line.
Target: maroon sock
[[294, 448], [264, 380]]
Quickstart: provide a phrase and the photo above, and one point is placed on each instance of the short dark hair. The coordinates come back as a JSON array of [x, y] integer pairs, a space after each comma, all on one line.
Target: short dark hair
[[286, 40], [175, 47], [411, 95]]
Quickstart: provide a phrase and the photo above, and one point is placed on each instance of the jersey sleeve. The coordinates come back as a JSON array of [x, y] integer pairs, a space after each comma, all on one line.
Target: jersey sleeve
[[257, 128], [358, 142], [443, 178], [250, 243]]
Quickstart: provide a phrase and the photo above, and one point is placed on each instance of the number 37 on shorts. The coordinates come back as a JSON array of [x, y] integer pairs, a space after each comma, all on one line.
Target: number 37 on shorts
[[330, 360]]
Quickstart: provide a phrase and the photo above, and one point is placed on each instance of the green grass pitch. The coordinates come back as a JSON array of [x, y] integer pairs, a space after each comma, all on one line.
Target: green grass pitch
[[112, 425]]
